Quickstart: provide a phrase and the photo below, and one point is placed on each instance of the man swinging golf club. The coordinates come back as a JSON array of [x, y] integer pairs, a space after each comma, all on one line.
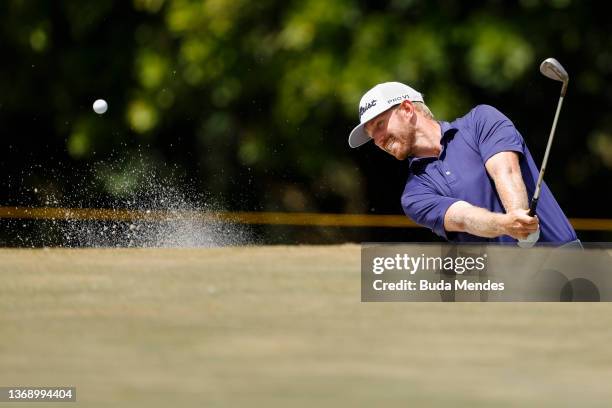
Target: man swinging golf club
[[469, 179]]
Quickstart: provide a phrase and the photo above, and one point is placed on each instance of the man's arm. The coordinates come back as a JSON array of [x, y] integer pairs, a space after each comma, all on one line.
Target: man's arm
[[427, 208], [505, 171], [464, 217]]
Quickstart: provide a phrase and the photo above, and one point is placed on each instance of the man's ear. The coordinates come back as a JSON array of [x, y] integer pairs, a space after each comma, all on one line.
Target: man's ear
[[407, 107]]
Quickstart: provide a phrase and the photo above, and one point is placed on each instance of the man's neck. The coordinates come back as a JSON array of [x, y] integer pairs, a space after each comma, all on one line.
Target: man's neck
[[428, 138]]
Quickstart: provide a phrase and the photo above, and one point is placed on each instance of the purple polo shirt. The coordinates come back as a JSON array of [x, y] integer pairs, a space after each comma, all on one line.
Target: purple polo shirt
[[459, 174]]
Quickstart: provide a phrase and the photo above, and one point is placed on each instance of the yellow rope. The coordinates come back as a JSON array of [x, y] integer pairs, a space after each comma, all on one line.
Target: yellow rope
[[268, 218]]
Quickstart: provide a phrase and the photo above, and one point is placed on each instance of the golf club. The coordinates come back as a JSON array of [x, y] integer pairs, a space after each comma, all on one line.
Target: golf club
[[552, 69]]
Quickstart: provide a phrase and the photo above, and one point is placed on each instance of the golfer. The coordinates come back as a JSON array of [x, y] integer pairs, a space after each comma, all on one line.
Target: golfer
[[470, 179]]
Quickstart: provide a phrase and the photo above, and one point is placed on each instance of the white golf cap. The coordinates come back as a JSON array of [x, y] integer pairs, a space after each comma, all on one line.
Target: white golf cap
[[377, 100]]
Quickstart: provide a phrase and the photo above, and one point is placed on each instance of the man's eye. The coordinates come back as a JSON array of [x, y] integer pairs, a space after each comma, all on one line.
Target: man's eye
[[379, 124]]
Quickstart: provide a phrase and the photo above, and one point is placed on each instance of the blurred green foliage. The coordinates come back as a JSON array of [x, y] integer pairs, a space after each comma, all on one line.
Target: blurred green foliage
[[255, 100]]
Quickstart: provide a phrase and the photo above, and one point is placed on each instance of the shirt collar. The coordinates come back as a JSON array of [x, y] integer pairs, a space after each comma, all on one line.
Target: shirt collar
[[445, 127]]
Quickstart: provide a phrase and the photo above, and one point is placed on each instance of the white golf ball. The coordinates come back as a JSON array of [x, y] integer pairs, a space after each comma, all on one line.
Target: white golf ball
[[100, 106]]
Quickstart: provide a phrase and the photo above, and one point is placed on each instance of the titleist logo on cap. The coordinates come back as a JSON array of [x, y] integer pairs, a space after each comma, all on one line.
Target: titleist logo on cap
[[363, 109]]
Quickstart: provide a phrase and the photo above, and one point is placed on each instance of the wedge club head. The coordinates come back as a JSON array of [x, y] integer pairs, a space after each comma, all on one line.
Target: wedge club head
[[553, 69]]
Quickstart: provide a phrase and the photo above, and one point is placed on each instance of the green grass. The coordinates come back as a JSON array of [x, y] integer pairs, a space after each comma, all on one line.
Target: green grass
[[278, 327]]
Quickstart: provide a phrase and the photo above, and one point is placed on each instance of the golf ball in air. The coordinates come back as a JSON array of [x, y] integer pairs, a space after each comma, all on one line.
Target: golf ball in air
[[100, 106]]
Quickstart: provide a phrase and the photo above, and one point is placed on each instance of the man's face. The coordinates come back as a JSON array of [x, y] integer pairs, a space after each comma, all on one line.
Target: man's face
[[393, 131]]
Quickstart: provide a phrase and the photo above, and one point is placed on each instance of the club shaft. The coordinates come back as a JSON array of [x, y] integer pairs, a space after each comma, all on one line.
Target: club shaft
[[536, 194]]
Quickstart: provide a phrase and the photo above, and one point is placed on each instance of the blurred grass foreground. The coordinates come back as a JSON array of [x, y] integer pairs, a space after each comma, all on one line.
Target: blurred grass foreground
[[279, 326]]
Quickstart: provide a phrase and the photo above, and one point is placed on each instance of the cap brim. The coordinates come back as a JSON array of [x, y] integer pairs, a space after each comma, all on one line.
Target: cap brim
[[358, 136]]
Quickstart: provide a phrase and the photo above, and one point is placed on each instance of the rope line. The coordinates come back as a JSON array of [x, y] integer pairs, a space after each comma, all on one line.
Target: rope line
[[262, 218]]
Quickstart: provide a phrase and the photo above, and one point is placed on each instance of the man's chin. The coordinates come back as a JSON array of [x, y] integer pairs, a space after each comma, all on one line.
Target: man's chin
[[399, 154]]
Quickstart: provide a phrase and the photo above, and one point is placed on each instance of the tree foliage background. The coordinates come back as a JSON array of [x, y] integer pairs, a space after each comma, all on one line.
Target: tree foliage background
[[253, 100]]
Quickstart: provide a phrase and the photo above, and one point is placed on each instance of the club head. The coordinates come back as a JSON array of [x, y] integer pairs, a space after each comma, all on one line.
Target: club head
[[553, 69]]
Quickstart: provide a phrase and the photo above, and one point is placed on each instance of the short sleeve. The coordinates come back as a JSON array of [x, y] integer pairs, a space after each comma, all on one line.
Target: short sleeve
[[495, 133], [425, 206]]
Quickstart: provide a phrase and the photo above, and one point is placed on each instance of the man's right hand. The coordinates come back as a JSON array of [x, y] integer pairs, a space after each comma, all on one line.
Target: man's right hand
[[464, 217], [518, 224]]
